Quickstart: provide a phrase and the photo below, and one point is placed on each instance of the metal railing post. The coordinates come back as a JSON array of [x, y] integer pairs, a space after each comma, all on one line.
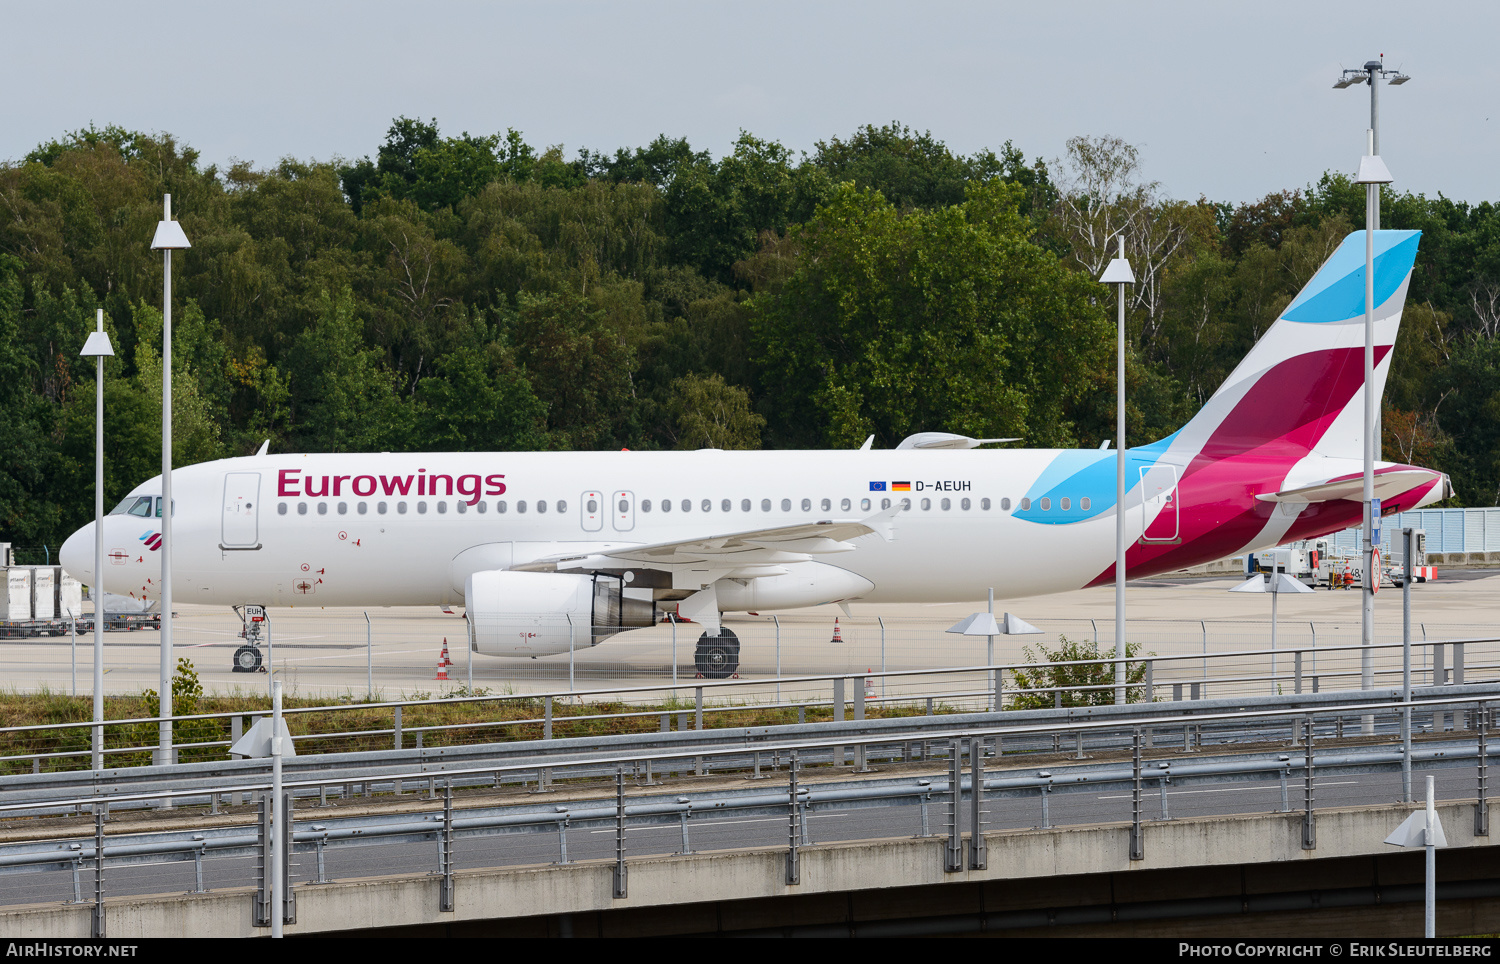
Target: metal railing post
[[288, 896], [262, 864], [1137, 844], [953, 852], [1309, 827], [978, 855], [445, 902], [620, 880], [96, 916], [838, 717], [793, 865], [1482, 805], [698, 725]]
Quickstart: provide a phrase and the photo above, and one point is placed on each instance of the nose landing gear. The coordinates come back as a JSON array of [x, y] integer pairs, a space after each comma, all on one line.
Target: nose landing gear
[[247, 657], [717, 657]]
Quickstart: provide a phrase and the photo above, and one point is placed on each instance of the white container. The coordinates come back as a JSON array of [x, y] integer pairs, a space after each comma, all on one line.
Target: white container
[[69, 595], [43, 595], [15, 600]]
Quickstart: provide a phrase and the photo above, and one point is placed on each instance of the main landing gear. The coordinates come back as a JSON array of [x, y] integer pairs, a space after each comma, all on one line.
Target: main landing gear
[[717, 657]]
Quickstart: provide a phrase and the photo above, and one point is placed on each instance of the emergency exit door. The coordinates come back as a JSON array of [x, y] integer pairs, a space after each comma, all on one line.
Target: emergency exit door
[[1159, 503], [241, 524]]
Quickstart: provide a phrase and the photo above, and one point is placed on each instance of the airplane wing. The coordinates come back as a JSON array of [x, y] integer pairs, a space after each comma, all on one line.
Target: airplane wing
[[1388, 484], [747, 554]]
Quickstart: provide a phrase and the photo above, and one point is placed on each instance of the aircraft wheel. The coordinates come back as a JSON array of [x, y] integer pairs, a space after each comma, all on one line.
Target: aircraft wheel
[[246, 659], [718, 657]]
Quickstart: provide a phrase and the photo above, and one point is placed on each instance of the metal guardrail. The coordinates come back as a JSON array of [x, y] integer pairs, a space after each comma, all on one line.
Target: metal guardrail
[[1126, 731], [536, 757], [1159, 674]]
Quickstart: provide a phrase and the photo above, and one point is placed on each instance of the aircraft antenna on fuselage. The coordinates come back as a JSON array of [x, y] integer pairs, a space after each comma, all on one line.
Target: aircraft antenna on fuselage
[[263, 446]]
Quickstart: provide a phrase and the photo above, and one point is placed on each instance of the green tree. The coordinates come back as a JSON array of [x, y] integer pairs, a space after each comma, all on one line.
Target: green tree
[[1072, 671], [945, 320], [707, 413]]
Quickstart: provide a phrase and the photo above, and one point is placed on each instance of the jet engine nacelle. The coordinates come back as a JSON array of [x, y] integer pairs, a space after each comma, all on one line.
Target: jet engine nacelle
[[542, 613]]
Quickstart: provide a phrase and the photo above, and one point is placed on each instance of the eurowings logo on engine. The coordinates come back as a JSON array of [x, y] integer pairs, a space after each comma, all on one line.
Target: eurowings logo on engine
[[152, 539]]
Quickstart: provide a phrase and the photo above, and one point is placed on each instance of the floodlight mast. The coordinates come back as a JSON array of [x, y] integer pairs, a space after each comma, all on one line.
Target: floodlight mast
[[1372, 73]]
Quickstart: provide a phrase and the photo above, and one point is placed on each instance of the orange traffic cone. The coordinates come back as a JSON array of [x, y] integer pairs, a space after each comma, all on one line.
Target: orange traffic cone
[[837, 636], [444, 660], [442, 670]]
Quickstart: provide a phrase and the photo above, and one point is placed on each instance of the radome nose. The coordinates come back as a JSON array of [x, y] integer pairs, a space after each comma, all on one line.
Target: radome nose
[[77, 555]]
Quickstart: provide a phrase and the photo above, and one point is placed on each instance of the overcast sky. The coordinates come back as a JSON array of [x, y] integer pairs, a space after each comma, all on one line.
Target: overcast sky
[[1228, 101]]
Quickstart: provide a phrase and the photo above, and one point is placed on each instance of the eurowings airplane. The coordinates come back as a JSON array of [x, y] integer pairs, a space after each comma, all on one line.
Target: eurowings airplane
[[551, 551]]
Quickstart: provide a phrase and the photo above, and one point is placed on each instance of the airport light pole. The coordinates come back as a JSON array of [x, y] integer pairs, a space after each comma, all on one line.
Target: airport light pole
[[1118, 273], [1372, 73], [1372, 174], [98, 348], [169, 237]]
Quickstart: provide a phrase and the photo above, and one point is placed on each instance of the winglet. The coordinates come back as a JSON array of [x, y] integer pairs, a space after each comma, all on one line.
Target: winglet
[[868, 442], [263, 446]]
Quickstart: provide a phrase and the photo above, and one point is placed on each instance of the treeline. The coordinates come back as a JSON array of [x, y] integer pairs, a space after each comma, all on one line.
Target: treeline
[[475, 293]]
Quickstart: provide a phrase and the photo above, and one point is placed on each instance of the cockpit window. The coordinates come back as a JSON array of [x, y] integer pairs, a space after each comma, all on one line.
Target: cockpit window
[[137, 505]]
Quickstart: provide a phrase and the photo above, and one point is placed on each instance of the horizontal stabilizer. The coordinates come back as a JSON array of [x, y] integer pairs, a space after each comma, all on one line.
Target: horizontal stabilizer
[[1388, 485], [946, 440]]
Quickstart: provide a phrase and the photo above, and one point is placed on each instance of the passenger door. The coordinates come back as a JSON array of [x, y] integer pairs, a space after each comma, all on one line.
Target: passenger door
[[241, 522], [1159, 503]]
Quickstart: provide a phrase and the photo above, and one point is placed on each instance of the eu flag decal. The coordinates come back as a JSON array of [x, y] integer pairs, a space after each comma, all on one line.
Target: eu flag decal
[[877, 486]]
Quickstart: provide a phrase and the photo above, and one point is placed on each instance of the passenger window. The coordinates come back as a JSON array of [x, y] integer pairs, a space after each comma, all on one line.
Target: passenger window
[[1025, 505], [322, 508], [500, 506], [343, 508], [562, 505], [926, 504], [725, 505], [541, 505], [1066, 503], [906, 504], [744, 505], [1004, 504], [708, 505], [1083, 503], [442, 507], [401, 508], [421, 508], [826, 504], [624, 506], [946, 504], [786, 505], [964, 504], [844, 506], [864, 504], [687, 505], [1046, 504], [645, 505], [380, 507], [280, 509], [885, 503], [666, 505], [302, 508], [521, 506], [462, 506], [592, 506], [363, 507], [807, 505], [480, 506], [765, 505]]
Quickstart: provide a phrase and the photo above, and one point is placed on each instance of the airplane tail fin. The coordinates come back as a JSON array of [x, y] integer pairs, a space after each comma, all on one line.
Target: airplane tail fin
[[1301, 388]]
